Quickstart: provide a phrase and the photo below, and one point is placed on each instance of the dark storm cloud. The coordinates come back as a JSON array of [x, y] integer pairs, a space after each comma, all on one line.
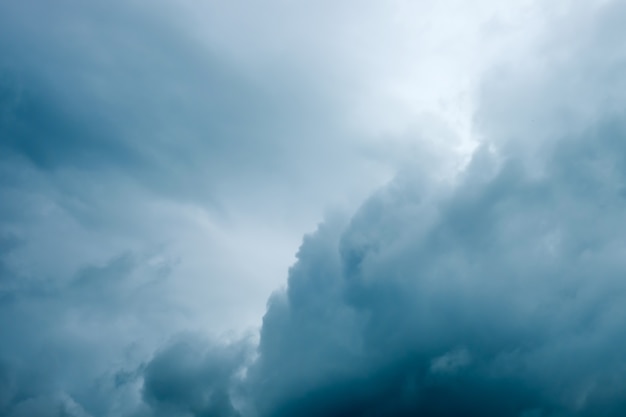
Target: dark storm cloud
[[502, 298], [193, 378], [502, 294]]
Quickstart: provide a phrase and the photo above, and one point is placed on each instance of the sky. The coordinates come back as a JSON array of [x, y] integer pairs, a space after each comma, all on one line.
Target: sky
[[336, 209]]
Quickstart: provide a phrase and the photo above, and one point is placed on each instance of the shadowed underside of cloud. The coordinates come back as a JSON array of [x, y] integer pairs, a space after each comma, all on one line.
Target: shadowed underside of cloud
[[191, 378], [502, 294], [503, 297]]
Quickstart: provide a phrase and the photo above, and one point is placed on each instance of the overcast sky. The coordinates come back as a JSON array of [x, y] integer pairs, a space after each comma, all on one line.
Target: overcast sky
[[331, 208]]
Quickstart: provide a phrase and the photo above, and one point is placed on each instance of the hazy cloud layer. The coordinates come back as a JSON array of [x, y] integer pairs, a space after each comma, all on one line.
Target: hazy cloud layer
[[144, 171]]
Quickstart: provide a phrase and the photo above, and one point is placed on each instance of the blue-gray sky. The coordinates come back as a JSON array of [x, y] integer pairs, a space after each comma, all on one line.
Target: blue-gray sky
[[213, 208]]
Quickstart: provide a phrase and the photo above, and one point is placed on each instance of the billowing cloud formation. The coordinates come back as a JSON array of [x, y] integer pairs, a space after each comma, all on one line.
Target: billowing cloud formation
[[500, 293], [191, 378], [504, 297]]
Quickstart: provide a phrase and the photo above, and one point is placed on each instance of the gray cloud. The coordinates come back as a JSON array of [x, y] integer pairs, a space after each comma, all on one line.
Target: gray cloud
[[498, 294], [125, 132], [189, 378], [126, 95], [503, 297], [65, 338]]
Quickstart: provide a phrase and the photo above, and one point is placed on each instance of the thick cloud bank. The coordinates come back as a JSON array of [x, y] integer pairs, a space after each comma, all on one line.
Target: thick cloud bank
[[505, 297], [501, 293]]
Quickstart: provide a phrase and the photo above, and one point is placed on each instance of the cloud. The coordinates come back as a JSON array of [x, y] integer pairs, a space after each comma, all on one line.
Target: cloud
[[129, 90], [500, 295], [496, 293], [69, 340], [191, 378], [125, 132]]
